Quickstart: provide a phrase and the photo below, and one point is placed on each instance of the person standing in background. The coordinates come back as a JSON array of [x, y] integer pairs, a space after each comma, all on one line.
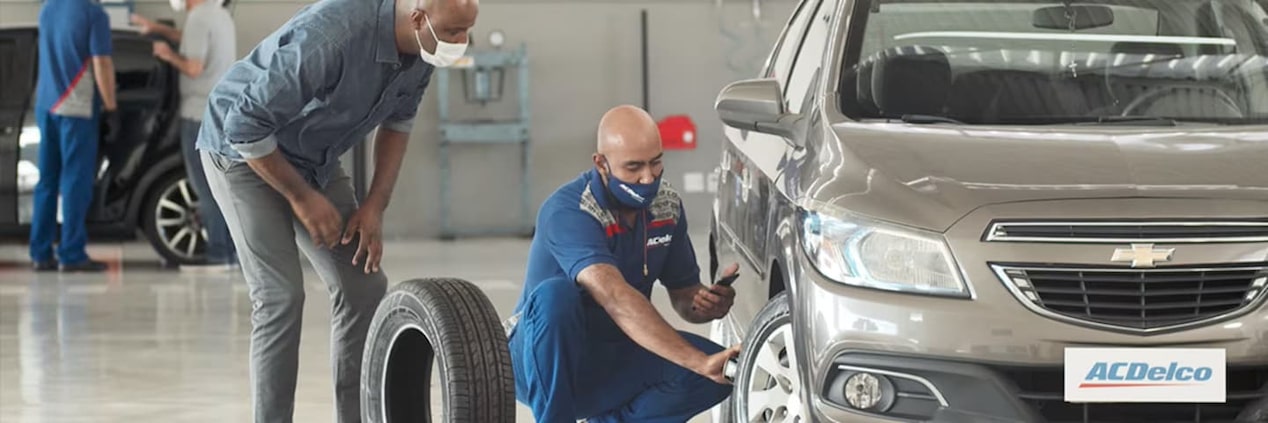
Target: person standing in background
[[74, 96], [208, 46]]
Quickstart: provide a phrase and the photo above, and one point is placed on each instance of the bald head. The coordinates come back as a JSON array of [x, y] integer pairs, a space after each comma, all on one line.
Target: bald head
[[625, 127], [450, 20], [629, 142]]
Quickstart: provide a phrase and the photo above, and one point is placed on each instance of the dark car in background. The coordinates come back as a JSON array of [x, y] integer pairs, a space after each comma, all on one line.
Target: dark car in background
[[140, 185]]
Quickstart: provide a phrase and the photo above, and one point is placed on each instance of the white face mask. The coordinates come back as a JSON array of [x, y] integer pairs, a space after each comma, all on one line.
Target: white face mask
[[177, 5], [447, 54]]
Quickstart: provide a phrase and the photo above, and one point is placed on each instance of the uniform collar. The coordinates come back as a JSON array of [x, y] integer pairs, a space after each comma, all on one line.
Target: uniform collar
[[385, 49], [600, 191], [605, 200]]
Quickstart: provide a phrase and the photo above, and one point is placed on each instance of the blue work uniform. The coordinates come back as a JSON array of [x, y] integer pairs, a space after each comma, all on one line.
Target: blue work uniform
[[67, 106], [570, 358]]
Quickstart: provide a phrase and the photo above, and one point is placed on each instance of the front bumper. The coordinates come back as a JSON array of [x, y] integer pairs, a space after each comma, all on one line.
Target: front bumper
[[952, 392], [989, 358]]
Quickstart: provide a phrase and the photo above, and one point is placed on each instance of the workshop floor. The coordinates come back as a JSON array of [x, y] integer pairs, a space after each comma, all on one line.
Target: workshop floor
[[143, 344]]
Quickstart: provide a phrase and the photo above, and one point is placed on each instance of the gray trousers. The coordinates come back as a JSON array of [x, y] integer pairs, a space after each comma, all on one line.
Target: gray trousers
[[268, 238]]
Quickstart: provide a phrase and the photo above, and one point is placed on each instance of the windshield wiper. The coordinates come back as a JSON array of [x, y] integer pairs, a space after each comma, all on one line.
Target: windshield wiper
[[1133, 120], [927, 119]]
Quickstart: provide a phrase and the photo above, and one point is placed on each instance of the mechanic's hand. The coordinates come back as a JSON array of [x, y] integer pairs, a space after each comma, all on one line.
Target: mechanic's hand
[[367, 225], [320, 218], [713, 302], [716, 300], [714, 367]]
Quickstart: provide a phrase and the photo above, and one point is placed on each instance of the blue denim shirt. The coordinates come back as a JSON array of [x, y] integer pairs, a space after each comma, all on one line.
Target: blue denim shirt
[[315, 88]]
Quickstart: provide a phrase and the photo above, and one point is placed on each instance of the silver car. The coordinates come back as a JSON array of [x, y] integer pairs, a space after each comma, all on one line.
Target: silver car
[[1000, 210]]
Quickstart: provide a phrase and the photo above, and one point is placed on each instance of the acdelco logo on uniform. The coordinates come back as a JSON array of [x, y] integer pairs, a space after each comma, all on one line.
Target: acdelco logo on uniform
[[1187, 375], [659, 240]]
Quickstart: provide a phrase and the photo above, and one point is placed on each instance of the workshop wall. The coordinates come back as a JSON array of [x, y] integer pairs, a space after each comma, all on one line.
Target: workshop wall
[[585, 58]]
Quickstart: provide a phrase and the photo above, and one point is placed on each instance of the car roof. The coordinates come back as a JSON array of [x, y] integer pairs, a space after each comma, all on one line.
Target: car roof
[[19, 25], [36, 25]]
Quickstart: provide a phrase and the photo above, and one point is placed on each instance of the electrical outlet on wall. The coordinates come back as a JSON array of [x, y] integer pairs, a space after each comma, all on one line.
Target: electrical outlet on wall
[[693, 182]]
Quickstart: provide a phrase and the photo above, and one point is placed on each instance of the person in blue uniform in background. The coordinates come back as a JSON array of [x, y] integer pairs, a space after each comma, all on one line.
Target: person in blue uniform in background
[[74, 93], [585, 340]]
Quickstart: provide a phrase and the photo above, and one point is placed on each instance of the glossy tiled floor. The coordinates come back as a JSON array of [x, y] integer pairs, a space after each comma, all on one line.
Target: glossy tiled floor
[[143, 344]]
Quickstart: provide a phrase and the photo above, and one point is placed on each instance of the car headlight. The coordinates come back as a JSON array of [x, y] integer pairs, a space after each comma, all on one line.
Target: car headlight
[[861, 252]]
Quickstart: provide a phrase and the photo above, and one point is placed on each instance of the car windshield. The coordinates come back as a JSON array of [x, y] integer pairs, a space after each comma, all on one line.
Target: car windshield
[[1034, 62]]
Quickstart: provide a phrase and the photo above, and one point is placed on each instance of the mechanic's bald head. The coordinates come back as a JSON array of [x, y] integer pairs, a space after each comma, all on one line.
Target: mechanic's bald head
[[629, 145]]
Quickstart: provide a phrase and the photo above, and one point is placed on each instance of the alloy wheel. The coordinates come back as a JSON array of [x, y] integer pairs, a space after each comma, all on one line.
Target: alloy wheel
[[176, 219], [773, 391]]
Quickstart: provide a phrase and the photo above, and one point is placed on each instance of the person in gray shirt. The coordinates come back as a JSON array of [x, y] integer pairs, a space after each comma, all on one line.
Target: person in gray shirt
[[276, 126], [208, 46]]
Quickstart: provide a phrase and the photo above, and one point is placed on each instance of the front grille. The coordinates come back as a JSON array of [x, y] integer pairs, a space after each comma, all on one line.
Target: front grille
[[1043, 390], [1170, 232], [1137, 299]]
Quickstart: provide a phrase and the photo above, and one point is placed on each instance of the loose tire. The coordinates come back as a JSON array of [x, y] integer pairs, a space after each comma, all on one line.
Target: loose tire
[[768, 363], [449, 322], [170, 221]]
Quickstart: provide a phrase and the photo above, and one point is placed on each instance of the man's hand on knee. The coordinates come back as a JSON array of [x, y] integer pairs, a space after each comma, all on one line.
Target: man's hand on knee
[[320, 218], [367, 225]]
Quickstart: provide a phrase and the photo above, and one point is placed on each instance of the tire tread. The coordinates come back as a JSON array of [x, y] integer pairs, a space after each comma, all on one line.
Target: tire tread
[[466, 335]]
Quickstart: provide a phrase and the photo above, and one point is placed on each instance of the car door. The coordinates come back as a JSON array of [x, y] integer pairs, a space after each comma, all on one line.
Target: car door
[[17, 84], [146, 93], [749, 160]]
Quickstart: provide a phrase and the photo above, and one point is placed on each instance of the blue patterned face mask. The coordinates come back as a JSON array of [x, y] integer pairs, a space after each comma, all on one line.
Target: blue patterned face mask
[[633, 195]]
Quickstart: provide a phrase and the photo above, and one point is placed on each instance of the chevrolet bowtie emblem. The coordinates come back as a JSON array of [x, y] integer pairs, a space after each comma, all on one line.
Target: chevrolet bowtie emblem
[[1143, 255]]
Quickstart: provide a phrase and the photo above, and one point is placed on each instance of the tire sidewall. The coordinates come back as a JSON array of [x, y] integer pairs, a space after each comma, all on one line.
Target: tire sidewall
[[399, 311], [720, 332], [775, 314]]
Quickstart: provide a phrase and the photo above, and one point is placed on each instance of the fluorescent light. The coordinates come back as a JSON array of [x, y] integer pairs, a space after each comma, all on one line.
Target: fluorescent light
[[1068, 37]]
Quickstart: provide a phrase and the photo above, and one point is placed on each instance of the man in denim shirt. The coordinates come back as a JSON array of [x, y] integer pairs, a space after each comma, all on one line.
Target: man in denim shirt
[[271, 139]]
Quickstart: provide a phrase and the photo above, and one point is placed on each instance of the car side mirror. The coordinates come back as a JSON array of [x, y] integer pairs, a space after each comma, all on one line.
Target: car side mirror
[[755, 105]]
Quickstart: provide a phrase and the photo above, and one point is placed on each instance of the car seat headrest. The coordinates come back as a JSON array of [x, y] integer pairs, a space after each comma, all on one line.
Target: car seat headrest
[[863, 85], [912, 80]]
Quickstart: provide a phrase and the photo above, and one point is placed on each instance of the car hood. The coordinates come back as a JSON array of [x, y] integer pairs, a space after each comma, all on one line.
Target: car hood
[[930, 176]]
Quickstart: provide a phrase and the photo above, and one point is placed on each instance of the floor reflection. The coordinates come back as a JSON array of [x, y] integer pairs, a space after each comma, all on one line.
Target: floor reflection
[[140, 343]]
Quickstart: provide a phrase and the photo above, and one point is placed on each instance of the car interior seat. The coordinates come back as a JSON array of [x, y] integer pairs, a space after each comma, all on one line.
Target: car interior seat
[[911, 80]]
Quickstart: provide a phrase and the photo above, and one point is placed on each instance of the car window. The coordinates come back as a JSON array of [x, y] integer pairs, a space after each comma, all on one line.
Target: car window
[[137, 71], [790, 42], [809, 59], [1025, 62], [17, 67]]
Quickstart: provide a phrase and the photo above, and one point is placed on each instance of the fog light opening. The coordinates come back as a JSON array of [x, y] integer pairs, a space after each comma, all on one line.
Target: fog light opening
[[866, 391]]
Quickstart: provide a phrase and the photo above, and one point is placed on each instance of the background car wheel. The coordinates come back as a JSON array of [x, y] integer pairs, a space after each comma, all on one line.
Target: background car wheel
[[441, 332], [768, 384], [169, 218]]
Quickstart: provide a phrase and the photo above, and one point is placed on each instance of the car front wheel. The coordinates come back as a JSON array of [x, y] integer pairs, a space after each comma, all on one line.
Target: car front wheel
[[768, 384], [169, 218]]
